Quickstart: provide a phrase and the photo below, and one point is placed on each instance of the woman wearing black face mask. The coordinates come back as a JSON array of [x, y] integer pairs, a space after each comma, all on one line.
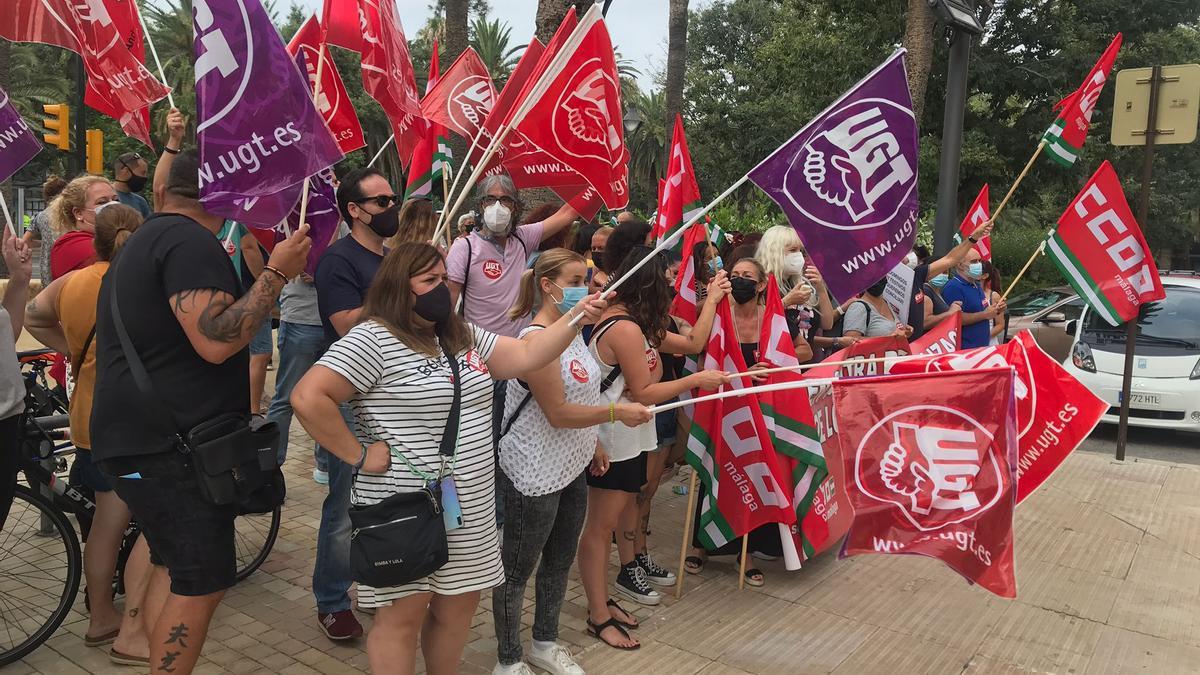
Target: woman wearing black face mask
[[871, 316], [392, 369]]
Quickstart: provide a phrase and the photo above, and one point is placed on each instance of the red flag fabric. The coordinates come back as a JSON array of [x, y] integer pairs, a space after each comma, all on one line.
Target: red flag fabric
[[428, 160], [930, 470], [868, 348], [577, 118], [828, 518], [685, 305], [679, 191], [103, 33], [1054, 411], [507, 101], [333, 102], [1065, 137], [340, 19], [1100, 250], [388, 75], [943, 338], [463, 97], [978, 214]]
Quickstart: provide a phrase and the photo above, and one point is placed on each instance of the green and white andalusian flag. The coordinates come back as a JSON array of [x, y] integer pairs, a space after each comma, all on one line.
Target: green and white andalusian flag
[[432, 154], [1065, 137]]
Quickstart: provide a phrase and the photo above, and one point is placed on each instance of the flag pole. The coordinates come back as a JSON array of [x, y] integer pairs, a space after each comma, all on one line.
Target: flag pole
[[316, 96], [668, 242], [848, 362], [1024, 172], [1028, 263], [445, 198], [762, 389], [687, 530], [7, 216], [381, 149], [445, 216], [742, 561], [154, 53]]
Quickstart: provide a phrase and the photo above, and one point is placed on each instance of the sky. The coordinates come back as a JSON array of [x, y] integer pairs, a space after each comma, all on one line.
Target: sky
[[638, 27]]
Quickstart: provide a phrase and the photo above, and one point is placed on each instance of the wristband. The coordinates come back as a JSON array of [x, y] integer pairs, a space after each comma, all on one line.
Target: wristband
[[361, 460], [268, 268], [972, 239], [612, 413], [170, 150]]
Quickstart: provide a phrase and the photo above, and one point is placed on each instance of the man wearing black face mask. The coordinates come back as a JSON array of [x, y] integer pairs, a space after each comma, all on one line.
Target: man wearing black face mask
[[372, 210], [129, 179]]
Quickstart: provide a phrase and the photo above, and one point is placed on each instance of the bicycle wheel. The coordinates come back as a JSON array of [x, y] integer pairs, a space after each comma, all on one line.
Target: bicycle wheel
[[254, 535], [40, 569]]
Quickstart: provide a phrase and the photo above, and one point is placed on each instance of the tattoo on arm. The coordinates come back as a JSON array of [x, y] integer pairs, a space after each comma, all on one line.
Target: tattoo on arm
[[223, 320]]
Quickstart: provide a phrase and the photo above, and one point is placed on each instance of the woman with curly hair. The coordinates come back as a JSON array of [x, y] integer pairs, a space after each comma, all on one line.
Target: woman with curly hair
[[73, 216]]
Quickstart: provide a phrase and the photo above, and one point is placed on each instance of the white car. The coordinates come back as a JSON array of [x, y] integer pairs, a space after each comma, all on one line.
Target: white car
[[1165, 393]]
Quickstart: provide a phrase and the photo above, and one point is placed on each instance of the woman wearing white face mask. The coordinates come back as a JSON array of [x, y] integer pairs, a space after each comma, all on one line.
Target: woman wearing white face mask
[[782, 253], [73, 216], [548, 438]]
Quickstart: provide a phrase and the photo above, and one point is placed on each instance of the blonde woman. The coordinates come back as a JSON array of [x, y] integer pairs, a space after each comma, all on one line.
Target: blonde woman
[[73, 217], [417, 223]]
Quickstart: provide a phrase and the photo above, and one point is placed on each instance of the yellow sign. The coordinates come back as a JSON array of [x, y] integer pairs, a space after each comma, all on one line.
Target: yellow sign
[[1178, 105]]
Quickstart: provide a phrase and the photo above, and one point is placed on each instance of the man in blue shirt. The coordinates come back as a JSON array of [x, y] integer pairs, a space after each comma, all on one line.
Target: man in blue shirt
[[965, 287], [129, 179]]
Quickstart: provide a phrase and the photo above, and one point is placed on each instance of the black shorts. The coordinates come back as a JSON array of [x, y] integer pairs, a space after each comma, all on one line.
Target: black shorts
[[627, 476], [193, 539], [87, 473]]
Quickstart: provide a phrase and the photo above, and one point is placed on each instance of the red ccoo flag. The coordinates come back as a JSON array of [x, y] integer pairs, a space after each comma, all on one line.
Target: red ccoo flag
[[333, 102], [463, 96], [388, 73], [679, 194], [977, 215]]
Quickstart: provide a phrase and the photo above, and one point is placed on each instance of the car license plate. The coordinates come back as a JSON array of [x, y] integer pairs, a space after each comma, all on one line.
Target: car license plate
[[1141, 398]]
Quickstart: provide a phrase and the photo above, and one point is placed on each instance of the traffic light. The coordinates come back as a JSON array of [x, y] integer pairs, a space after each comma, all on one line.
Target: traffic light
[[95, 152], [59, 125]]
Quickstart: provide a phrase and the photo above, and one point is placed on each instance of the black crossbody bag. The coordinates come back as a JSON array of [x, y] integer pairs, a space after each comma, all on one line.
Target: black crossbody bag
[[403, 538], [235, 458]]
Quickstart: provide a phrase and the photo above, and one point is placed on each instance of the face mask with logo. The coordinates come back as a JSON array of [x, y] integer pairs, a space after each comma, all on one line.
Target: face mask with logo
[[744, 290], [716, 265], [975, 270], [877, 288], [572, 295], [385, 223], [434, 305], [496, 218], [793, 263], [136, 183], [940, 280]]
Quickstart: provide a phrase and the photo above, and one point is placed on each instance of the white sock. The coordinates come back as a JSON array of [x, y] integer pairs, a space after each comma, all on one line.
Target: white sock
[[543, 646]]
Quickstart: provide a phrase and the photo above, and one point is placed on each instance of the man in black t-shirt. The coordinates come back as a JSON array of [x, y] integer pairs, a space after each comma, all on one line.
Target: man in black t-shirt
[[178, 297], [372, 209]]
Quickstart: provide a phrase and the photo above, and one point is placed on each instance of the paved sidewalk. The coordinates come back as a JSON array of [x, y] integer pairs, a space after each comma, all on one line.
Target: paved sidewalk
[[1108, 563]]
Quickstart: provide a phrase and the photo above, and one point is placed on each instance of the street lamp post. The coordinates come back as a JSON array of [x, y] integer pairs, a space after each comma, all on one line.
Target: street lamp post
[[962, 22], [632, 121]]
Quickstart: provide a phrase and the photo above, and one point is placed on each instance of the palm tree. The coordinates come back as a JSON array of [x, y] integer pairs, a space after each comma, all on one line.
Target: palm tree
[[918, 40], [492, 39], [647, 144], [677, 25], [550, 13]]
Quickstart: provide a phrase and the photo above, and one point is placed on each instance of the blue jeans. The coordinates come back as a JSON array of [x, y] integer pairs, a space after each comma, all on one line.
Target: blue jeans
[[331, 573], [300, 346]]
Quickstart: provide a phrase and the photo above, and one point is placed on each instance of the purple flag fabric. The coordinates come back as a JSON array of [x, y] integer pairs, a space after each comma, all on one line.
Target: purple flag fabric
[[18, 145], [259, 133], [323, 217], [848, 181]]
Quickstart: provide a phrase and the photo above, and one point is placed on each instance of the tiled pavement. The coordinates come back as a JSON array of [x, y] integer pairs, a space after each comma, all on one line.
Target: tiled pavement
[[1108, 563]]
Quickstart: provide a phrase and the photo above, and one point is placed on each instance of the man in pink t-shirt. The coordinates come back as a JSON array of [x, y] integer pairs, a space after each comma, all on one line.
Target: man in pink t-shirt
[[486, 265]]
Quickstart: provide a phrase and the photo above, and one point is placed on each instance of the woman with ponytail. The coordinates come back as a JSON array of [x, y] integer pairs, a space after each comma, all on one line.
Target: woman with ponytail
[[63, 317], [73, 217], [548, 439]]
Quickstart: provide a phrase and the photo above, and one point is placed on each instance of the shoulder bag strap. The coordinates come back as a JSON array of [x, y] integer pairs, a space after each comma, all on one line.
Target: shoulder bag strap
[[83, 354], [449, 443], [462, 297]]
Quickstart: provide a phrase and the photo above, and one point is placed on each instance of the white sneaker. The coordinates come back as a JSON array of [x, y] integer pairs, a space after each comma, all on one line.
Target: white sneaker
[[518, 668], [320, 477], [557, 660]]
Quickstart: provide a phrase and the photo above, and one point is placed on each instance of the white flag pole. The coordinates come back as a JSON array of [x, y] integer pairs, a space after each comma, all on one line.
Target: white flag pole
[[154, 52], [316, 96], [782, 386], [668, 242], [444, 216], [12, 227], [381, 149]]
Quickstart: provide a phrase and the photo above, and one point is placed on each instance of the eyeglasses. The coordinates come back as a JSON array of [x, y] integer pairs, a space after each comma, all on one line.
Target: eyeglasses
[[508, 202], [382, 201]]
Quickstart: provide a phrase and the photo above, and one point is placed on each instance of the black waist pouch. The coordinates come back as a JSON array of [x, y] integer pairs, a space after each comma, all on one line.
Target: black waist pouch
[[236, 462], [398, 540]]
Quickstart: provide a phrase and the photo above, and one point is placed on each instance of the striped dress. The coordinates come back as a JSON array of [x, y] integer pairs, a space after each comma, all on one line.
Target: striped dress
[[404, 399]]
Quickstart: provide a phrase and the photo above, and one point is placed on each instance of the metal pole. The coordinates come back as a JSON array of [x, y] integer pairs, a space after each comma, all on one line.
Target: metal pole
[[604, 12], [1131, 326], [79, 156], [946, 222]]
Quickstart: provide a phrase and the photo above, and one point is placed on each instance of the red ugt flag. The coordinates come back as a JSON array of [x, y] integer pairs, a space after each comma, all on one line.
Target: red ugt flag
[[463, 97], [118, 84], [679, 193], [930, 469], [507, 101], [977, 215], [333, 101], [343, 24], [578, 118], [388, 73], [1100, 250]]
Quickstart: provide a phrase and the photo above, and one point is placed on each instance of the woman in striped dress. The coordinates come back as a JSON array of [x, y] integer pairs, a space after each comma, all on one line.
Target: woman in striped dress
[[391, 368]]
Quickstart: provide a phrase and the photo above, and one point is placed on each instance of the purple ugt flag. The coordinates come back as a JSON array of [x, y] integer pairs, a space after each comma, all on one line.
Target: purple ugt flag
[[322, 216], [848, 181], [18, 145], [259, 133]]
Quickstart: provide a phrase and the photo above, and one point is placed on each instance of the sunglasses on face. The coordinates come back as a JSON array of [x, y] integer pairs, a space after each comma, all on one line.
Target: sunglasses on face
[[508, 202], [382, 201]]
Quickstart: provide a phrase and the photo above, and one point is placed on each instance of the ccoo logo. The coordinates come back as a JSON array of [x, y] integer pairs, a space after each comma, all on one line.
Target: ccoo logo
[[855, 164], [587, 117], [939, 467]]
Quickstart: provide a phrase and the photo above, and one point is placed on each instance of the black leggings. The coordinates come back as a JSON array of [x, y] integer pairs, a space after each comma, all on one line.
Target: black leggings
[[10, 439]]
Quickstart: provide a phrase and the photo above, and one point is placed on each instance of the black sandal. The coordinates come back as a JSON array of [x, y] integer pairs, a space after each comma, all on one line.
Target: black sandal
[[754, 576], [631, 626], [693, 564], [595, 630]]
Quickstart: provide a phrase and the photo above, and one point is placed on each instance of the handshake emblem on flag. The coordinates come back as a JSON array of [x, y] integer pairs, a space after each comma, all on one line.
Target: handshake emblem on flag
[[470, 102], [589, 106]]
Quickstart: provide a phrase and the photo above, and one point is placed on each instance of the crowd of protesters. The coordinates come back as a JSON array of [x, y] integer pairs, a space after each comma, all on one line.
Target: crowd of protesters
[[556, 455]]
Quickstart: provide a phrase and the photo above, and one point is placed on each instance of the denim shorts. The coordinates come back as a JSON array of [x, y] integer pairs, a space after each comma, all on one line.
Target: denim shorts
[[87, 473], [192, 538], [261, 343]]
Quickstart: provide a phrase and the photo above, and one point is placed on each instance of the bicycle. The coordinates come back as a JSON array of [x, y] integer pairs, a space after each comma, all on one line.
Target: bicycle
[[41, 561]]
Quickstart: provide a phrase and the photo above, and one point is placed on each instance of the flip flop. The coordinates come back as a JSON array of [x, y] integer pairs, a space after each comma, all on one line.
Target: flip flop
[[123, 659], [596, 629], [631, 626], [693, 564], [101, 640], [754, 577]]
